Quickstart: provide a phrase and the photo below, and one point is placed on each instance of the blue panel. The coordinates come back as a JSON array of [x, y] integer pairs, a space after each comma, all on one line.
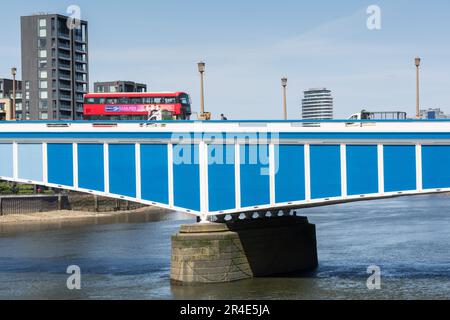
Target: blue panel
[[221, 171], [289, 173], [154, 173], [325, 163], [362, 170], [30, 161], [186, 177], [435, 167], [399, 168], [255, 179], [122, 169], [6, 160], [91, 175], [60, 163]]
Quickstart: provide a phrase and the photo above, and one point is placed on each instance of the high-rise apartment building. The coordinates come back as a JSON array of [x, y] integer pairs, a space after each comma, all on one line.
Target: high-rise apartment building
[[119, 86], [317, 104], [55, 73]]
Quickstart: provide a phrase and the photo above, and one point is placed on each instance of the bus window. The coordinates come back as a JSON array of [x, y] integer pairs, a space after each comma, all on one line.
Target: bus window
[[170, 100], [158, 100], [184, 99], [136, 100], [123, 100], [111, 101], [148, 100]]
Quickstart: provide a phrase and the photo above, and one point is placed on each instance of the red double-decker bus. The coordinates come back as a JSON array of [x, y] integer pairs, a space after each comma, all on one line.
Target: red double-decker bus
[[137, 106]]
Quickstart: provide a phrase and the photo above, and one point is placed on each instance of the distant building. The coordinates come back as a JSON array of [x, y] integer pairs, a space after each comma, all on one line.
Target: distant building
[[6, 86], [5, 109], [433, 113], [55, 70], [6, 99], [119, 86], [317, 104]]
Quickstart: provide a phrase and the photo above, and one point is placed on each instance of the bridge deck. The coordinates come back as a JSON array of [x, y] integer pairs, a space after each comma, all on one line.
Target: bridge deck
[[210, 168]]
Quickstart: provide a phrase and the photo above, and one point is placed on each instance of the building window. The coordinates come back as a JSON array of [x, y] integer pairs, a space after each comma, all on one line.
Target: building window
[[27, 85], [43, 104], [27, 95], [43, 115], [43, 84], [43, 74], [43, 95], [42, 33], [42, 23], [42, 43], [42, 63], [42, 53]]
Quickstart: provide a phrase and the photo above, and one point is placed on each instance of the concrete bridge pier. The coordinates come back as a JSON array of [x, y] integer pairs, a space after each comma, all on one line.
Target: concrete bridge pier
[[240, 249]]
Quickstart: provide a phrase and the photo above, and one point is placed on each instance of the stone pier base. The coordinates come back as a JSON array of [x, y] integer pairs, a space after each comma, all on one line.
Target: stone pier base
[[223, 252]]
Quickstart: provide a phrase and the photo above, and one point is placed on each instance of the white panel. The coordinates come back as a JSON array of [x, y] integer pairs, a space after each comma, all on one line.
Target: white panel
[[170, 173], [75, 165], [106, 166], [343, 170], [44, 163], [15, 161], [272, 165], [203, 167], [380, 169], [138, 171], [307, 173], [419, 186], [237, 174]]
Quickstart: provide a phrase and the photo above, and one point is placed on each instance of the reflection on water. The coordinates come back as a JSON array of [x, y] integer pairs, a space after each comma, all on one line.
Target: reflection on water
[[129, 257]]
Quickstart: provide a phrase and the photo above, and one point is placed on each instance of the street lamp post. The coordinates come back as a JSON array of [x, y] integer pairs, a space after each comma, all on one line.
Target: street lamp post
[[13, 107], [417, 63], [201, 69], [284, 84]]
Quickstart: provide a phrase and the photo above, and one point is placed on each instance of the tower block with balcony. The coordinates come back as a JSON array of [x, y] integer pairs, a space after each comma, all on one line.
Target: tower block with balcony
[[55, 70]]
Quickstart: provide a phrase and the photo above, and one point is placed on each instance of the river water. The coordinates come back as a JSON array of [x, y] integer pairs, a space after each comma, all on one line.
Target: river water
[[129, 257]]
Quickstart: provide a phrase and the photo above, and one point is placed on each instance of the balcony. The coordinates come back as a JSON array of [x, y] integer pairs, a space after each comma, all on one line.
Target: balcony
[[81, 59], [65, 97], [64, 76], [64, 56], [65, 106], [64, 35], [63, 45], [65, 87], [64, 66], [80, 49], [79, 39], [80, 67]]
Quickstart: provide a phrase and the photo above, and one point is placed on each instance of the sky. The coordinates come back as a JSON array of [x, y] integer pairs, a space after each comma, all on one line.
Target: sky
[[248, 46]]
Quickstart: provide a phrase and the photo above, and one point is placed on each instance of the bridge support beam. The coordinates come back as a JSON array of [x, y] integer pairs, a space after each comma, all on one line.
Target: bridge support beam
[[241, 249]]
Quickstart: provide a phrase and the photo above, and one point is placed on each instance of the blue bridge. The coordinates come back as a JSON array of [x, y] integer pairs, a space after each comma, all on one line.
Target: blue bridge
[[217, 168]]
